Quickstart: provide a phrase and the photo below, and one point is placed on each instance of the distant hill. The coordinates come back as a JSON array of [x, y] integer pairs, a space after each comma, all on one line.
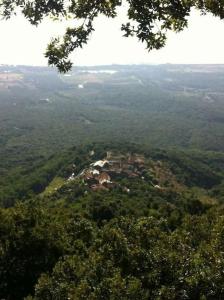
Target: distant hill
[[162, 170]]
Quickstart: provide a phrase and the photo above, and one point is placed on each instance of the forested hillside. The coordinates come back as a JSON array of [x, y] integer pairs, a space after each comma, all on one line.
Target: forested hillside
[[153, 236], [112, 183]]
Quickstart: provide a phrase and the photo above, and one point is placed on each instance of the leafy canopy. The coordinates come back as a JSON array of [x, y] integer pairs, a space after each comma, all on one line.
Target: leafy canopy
[[149, 20]]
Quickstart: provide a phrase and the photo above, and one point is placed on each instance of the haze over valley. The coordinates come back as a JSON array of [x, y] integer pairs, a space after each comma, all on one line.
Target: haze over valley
[[161, 106]]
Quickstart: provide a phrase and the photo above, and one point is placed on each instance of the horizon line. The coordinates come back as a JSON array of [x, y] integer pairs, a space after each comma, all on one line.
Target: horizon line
[[115, 64]]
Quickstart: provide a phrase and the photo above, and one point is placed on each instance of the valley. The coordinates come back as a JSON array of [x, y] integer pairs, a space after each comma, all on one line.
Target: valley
[[112, 182]]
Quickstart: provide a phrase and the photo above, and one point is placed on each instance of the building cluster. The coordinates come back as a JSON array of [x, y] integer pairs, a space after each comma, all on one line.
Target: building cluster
[[104, 174]]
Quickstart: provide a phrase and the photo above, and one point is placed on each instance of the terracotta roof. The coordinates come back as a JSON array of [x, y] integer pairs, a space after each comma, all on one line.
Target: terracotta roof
[[103, 177], [98, 187]]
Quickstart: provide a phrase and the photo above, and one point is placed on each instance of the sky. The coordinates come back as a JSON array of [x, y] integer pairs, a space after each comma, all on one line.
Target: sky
[[201, 43]]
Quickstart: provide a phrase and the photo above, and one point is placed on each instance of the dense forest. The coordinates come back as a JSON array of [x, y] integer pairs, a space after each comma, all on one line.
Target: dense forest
[[112, 183]]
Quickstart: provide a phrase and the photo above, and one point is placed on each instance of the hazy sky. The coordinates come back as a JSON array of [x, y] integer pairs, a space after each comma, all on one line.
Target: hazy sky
[[201, 42]]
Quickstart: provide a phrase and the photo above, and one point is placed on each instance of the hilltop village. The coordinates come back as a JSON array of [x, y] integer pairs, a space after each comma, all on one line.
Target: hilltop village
[[104, 174]]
